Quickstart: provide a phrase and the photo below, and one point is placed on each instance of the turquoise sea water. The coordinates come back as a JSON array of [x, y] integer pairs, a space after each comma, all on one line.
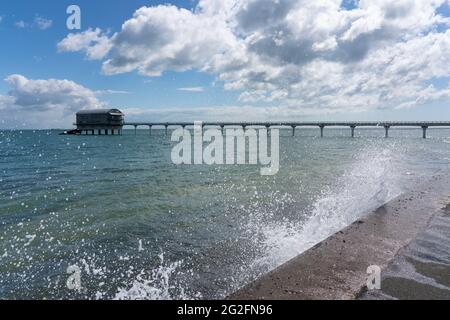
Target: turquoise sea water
[[140, 227]]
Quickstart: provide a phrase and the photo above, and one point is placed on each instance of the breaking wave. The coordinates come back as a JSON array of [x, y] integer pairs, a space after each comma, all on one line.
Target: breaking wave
[[371, 181], [226, 229], [159, 284]]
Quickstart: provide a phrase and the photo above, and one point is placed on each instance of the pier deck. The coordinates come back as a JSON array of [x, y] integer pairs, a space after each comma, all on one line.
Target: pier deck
[[321, 124]]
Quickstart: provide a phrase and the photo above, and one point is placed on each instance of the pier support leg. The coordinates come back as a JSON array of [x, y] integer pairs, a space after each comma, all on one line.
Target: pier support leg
[[222, 128], [386, 128], [424, 128], [135, 130], [293, 130], [167, 127], [106, 132], [321, 131], [149, 130], [93, 132], [353, 131], [99, 132], [112, 132]]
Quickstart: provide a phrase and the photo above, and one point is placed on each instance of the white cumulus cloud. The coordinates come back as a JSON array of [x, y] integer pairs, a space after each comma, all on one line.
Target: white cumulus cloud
[[45, 103], [164, 38], [43, 23], [299, 54], [94, 42], [20, 24]]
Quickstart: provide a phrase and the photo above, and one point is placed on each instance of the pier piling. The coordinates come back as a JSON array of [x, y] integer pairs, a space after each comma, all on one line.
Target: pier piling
[[386, 128], [424, 128], [321, 130]]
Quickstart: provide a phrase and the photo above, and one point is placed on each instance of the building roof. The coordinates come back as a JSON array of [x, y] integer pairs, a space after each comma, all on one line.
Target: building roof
[[101, 111]]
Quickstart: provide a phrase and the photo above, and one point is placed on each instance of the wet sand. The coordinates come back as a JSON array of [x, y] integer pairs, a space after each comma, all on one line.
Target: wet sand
[[409, 238]]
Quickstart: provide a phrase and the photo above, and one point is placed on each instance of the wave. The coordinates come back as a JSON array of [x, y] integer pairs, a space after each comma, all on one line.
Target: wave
[[371, 181], [160, 283]]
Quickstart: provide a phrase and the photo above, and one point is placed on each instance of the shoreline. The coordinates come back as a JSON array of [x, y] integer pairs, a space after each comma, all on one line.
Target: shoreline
[[336, 268]]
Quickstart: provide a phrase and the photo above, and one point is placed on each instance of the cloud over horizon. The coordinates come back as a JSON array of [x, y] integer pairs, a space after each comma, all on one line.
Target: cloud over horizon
[[291, 53], [45, 103], [284, 58]]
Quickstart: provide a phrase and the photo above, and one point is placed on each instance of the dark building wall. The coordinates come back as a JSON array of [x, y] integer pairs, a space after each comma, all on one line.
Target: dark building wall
[[100, 119]]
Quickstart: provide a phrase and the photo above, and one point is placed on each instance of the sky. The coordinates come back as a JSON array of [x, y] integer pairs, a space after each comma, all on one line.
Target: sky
[[225, 60]]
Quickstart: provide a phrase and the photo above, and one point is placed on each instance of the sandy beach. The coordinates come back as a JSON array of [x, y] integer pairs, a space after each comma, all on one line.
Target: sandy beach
[[408, 238]]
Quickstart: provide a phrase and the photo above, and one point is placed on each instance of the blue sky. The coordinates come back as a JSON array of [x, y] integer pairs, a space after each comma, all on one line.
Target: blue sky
[[32, 52], [275, 80]]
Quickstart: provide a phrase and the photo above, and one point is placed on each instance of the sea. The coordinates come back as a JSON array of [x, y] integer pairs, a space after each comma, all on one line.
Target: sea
[[112, 217]]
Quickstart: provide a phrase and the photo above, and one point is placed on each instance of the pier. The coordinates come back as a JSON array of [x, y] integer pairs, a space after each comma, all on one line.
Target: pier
[[111, 121], [294, 125]]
